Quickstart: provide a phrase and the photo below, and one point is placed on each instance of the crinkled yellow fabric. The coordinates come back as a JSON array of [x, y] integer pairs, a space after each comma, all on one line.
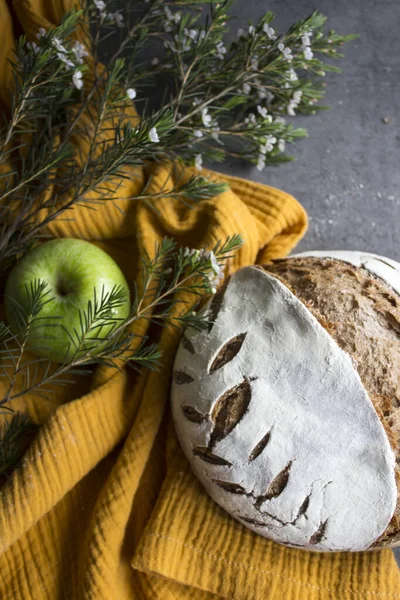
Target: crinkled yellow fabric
[[105, 505]]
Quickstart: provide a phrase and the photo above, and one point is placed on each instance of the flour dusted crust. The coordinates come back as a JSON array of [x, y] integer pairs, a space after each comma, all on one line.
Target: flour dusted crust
[[355, 296], [277, 424]]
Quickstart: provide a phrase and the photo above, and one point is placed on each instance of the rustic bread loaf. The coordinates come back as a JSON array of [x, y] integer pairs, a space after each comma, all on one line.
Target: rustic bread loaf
[[288, 408]]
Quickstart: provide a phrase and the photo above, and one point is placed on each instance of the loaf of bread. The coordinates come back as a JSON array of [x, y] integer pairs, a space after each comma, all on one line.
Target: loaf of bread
[[288, 406]]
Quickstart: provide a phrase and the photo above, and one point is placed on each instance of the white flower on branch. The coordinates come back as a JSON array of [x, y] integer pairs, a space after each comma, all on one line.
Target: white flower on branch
[[221, 50], [42, 33], [305, 40], [192, 252], [269, 96], [198, 162], [198, 133], [246, 88], [297, 96], [100, 5], [281, 145], [270, 141], [261, 163], [80, 52], [33, 47], [153, 135], [171, 18], [193, 34], [291, 75], [268, 146], [116, 18], [131, 93], [308, 54], [64, 58], [294, 102], [185, 43], [254, 64], [77, 79], [263, 93], [287, 53], [216, 267], [252, 30], [206, 118], [270, 31], [240, 32], [55, 42], [262, 111], [215, 131], [250, 119], [217, 275]]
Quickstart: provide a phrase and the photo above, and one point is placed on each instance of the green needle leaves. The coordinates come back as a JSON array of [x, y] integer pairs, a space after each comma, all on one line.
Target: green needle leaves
[[172, 284]]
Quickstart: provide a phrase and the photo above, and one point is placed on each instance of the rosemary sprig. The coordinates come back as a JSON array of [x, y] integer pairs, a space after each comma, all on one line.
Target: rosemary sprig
[[174, 281], [16, 433]]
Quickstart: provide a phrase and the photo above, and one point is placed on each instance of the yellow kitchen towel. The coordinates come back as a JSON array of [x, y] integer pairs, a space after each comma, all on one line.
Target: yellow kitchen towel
[[104, 505]]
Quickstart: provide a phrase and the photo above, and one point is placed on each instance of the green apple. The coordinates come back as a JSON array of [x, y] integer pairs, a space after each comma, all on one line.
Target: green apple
[[75, 272]]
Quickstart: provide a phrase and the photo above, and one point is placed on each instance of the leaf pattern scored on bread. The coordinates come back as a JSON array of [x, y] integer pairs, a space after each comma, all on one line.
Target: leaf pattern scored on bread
[[193, 415], [276, 486], [229, 409], [205, 454], [260, 447], [216, 303], [187, 344], [181, 377], [228, 486], [304, 507], [252, 521], [319, 534], [227, 352]]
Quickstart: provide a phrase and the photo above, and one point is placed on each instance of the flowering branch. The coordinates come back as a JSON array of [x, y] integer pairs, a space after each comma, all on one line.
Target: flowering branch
[[224, 101]]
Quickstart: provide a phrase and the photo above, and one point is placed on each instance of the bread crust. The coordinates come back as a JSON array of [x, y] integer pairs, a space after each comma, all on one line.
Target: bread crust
[[362, 314]]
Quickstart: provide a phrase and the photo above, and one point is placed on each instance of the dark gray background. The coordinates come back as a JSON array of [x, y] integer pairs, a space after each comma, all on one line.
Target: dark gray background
[[346, 173]]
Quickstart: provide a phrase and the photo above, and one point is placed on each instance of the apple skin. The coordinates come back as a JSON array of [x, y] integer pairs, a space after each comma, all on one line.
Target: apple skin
[[72, 269]]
